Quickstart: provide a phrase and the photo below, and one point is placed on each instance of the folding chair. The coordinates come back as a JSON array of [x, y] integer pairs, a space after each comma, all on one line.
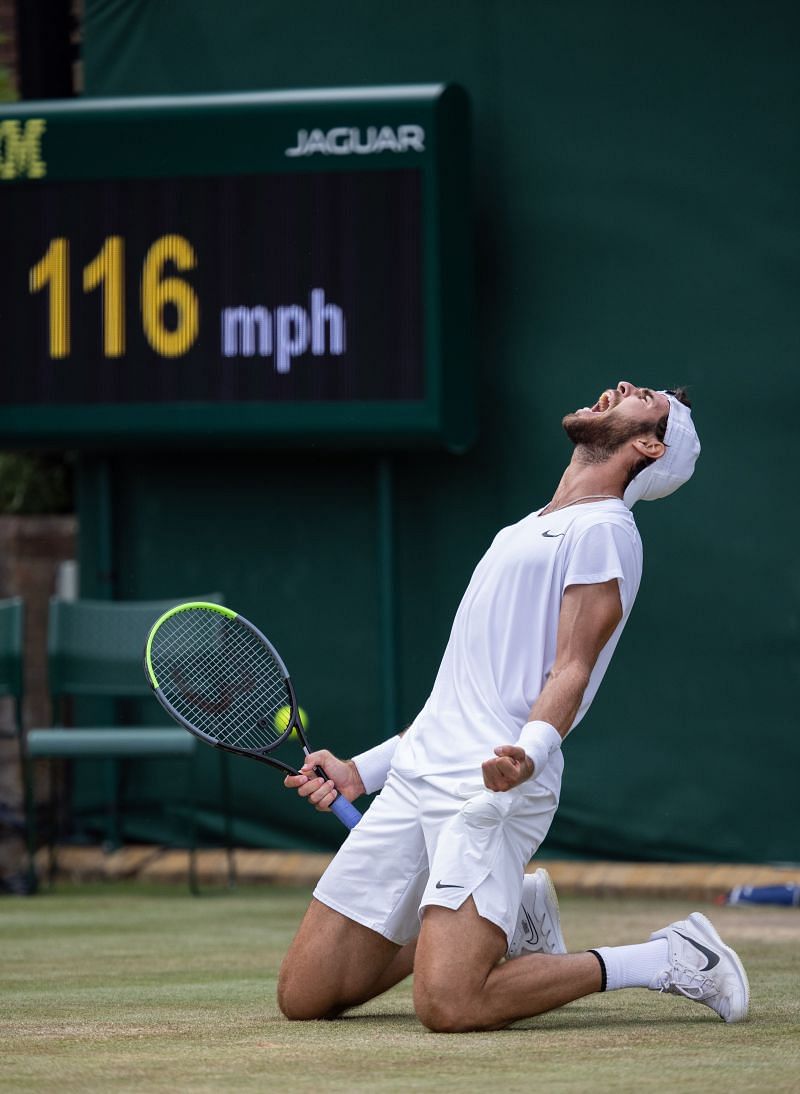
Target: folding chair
[[95, 651]]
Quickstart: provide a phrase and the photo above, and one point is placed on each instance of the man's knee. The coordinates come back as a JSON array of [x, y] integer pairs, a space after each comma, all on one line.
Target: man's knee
[[297, 998], [441, 1008], [289, 999], [456, 952], [333, 963], [439, 1014]]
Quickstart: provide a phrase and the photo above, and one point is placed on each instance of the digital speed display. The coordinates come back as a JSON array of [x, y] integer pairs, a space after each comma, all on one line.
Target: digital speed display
[[237, 267], [222, 289]]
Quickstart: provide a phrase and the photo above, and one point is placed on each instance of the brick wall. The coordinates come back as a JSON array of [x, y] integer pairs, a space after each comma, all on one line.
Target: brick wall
[[31, 550]]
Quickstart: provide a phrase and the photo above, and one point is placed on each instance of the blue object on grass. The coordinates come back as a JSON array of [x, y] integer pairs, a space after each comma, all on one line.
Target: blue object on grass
[[765, 894]]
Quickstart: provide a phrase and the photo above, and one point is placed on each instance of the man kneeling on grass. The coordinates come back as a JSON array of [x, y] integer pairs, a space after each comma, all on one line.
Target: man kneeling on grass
[[433, 878]]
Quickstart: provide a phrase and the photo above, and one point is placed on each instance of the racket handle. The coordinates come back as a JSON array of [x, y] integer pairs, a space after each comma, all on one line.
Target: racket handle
[[346, 812]]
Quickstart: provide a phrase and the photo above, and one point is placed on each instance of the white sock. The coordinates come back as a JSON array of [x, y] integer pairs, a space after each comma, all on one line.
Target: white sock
[[633, 966]]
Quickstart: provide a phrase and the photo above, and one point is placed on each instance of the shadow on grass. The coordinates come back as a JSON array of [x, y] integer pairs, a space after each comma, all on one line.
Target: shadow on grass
[[552, 1022]]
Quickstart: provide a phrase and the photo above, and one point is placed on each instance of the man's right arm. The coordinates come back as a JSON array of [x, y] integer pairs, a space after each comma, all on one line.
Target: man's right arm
[[343, 778], [364, 774]]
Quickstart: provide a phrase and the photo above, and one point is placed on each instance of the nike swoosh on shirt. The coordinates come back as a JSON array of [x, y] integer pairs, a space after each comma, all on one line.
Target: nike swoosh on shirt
[[552, 535], [441, 885]]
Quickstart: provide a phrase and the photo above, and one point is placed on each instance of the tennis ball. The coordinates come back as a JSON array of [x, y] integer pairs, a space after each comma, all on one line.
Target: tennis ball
[[282, 716]]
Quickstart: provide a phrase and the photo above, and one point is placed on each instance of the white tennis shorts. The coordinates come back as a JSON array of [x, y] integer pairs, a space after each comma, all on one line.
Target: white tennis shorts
[[435, 841]]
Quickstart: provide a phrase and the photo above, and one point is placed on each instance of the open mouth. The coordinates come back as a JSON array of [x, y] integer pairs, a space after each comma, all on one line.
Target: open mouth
[[606, 402]]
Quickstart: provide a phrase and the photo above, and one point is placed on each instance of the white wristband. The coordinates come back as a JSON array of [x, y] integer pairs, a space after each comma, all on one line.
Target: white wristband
[[373, 765], [540, 740]]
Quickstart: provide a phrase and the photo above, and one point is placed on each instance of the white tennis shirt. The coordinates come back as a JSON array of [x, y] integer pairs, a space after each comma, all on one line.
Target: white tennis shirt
[[503, 642]]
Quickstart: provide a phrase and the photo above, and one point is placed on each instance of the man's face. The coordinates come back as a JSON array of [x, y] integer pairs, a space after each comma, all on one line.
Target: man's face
[[619, 415]]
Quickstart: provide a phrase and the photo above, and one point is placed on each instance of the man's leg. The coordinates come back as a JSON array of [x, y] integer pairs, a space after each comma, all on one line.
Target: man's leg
[[459, 985], [335, 963], [377, 877], [312, 984]]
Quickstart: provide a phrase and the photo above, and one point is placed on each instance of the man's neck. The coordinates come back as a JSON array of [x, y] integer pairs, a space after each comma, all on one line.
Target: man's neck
[[585, 479]]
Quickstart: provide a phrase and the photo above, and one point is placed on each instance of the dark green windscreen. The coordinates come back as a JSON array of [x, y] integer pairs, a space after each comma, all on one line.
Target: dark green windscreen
[[636, 218]]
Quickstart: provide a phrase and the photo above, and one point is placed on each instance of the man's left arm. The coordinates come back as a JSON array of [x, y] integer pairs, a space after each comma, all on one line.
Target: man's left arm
[[588, 617]]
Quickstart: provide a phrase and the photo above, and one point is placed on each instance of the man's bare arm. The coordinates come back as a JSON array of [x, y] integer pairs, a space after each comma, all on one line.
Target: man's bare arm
[[345, 776], [589, 615]]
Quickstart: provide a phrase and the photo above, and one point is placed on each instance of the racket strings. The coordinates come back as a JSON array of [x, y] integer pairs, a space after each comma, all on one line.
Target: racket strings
[[220, 677]]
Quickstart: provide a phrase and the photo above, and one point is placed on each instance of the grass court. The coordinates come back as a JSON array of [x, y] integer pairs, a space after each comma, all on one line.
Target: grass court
[[133, 987]]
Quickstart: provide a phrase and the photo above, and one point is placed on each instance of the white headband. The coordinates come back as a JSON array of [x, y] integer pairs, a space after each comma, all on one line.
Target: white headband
[[676, 465]]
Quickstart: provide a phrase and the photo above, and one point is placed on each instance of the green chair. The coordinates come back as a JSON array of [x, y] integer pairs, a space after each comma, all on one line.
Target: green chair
[[95, 660], [12, 629]]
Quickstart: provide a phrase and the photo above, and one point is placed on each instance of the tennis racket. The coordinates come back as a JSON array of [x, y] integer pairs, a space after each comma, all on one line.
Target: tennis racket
[[218, 676]]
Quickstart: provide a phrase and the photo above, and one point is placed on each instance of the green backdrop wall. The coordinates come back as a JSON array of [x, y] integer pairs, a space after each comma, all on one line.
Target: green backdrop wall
[[636, 216]]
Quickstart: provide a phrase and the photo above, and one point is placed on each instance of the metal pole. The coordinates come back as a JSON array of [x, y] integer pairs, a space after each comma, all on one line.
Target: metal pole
[[386, 595], [95, 515]]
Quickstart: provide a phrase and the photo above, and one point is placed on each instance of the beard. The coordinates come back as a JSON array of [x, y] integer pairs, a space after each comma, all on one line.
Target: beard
[[598, 436]]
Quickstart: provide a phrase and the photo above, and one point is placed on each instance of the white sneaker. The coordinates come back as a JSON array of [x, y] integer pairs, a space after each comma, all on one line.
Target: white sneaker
[[538, 929], [703, 968]]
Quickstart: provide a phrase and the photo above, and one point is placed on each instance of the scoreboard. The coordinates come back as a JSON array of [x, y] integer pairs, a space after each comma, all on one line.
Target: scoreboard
[[266, 268]]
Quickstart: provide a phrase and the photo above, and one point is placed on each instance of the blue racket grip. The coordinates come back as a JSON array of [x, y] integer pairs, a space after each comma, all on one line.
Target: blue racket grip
[[346, 812]]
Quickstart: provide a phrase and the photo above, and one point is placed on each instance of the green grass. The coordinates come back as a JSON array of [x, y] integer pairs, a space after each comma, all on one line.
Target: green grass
[[126, 988]]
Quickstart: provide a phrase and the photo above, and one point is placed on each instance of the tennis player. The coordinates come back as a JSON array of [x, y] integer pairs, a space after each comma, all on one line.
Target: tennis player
[[432, 877]]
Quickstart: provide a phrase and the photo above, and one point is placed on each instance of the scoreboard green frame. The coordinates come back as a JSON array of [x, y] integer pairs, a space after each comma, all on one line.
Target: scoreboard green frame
[[266, 268]]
